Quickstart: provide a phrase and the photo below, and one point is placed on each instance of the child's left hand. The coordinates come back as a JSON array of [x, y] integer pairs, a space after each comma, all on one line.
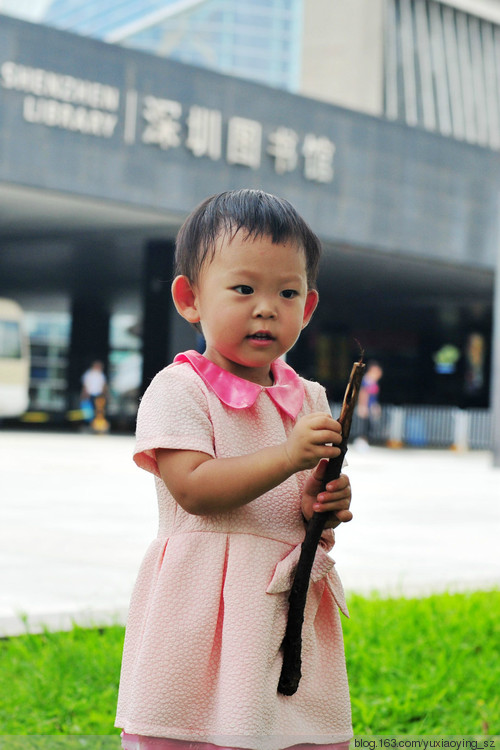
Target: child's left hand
[[335, 497]]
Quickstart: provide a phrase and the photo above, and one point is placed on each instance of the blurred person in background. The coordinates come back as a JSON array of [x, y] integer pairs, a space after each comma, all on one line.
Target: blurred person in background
[[94, 386], [368, 404]]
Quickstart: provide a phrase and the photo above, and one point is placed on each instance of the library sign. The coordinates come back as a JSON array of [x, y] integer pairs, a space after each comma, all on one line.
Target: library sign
[[91, 108]]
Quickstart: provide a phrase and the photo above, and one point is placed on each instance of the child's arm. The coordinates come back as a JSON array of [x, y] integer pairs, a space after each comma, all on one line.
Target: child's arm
[[203, 485]]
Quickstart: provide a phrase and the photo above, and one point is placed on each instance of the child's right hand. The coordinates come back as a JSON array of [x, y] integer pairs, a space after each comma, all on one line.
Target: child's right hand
[[308, 441]]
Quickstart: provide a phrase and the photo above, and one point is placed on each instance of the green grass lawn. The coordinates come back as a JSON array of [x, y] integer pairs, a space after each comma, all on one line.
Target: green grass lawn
[[425, 666], [416, 666]]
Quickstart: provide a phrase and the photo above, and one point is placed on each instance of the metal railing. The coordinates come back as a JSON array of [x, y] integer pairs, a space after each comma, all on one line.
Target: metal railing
[[428, 426]]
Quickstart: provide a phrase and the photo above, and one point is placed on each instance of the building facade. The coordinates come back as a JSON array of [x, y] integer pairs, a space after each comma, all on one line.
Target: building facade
[[428, 63], [103, 152]]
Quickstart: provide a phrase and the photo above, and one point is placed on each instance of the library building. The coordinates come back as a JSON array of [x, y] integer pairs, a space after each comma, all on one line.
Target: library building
[[104, 150]]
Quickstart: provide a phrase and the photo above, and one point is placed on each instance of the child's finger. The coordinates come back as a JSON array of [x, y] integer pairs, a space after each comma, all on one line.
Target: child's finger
[[337, 485], [319, 471], [332, 501], [336, 495], [344, 516], [340, 508]]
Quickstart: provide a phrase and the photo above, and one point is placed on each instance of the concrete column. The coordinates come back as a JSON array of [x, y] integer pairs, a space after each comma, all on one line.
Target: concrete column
[[165, 333], [342, 53], [158, 308], [396, 427], [461, 430], [91, 284], [495, 366], [89, 339]]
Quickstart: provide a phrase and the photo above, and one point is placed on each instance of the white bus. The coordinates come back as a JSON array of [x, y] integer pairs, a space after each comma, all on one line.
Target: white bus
[[14, 360]]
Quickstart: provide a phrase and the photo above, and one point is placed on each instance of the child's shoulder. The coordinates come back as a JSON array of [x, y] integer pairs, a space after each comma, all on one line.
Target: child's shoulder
[[177, 380], [315, 398], [312, 386], [176, 372]]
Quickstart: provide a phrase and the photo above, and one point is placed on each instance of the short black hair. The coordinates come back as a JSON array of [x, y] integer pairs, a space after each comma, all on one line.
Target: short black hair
[[255, 211]]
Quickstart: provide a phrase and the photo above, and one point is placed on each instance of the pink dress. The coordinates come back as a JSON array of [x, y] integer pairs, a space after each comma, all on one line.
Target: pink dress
[[202, 657]]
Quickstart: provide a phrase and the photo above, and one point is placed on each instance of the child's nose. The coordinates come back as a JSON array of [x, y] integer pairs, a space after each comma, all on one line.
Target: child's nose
[[264, 309]]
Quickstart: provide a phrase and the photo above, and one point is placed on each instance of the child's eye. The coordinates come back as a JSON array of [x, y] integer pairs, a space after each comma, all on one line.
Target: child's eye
[[289, 293], [243, 289]]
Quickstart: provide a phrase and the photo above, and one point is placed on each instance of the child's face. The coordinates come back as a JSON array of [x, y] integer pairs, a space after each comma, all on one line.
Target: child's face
[[252, 300]]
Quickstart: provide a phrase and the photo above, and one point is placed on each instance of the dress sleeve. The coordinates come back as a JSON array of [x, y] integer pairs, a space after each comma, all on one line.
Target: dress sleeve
[[322, 403], [173, 413]]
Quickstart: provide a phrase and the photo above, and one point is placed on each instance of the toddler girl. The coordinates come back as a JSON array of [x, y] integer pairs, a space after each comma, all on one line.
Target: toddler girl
[[238, 444]]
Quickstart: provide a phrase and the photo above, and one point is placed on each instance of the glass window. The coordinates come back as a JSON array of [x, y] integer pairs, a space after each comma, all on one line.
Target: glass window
[[10, 339], [125, 365], [210, 34], [49, 340]]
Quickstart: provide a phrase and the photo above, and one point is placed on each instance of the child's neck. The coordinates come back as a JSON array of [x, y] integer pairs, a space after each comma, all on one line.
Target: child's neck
[[262, 376]]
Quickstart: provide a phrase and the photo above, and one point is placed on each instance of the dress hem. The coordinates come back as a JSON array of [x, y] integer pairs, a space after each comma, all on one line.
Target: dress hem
[[245, 742]]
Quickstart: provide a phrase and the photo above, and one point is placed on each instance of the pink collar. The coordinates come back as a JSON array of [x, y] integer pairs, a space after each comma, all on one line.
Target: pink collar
[[287, 391]]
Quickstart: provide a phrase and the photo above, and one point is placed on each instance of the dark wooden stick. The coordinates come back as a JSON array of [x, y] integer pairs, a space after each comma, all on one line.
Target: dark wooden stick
[[292, 642]]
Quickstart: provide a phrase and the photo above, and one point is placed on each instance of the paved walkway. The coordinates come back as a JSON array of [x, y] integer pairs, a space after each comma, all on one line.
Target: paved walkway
[[76, 517]]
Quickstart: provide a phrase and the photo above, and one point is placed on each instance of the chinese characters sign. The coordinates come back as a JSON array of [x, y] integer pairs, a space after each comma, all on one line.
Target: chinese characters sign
[[92, 108], [164, 126]]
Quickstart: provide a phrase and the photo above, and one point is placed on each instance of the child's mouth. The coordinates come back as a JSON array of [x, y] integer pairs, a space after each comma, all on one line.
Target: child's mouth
[[261, 336]]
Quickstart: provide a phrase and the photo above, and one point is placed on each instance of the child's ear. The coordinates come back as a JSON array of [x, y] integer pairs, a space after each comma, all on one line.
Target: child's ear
[[312, 300], [185, 299]]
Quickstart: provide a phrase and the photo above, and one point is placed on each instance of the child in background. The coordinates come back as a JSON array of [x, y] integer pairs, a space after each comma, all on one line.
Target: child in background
[[94, 386], [238, 444], [368, 404]]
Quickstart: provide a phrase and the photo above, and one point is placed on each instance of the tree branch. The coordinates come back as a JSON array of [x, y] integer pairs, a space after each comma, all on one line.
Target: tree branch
[[292, 642]]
